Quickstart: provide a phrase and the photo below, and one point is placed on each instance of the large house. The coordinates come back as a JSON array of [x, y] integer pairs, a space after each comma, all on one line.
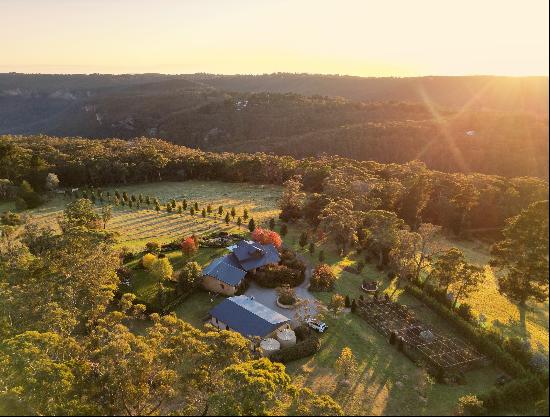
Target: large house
[[246, 316], [226, 274]]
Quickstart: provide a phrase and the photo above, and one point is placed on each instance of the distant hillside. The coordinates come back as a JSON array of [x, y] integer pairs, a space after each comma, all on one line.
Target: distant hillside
[[382, 119], [529, 94]]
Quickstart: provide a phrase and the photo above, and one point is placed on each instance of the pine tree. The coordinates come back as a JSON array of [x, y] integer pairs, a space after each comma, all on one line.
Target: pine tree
[[312, 248], [245, 214], [220, 210], [184, 204], [284, 230], [251, 225], [239, 221], [303, 240], [227, 218], [203, 213], [192, 211], [271, 224], [233, 212], [196, 206]]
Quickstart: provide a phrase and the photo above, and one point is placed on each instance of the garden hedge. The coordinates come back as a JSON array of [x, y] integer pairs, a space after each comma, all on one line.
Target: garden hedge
[[528, 385]]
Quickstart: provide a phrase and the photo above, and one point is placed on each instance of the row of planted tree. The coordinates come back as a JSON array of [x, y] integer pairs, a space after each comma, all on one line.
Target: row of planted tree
[[140, 201]]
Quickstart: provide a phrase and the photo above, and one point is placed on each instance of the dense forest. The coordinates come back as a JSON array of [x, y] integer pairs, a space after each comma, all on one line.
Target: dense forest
[[258, 113], [462, 204]]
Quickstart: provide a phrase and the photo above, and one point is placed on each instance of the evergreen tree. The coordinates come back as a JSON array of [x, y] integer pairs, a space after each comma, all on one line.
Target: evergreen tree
[[239, 221], [284, 230], [203, 213], [303, 240], [312, 248], [251, 225], [272, 224], [233, 212]]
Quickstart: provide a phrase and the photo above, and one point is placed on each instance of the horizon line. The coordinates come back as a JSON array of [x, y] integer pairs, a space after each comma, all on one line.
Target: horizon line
[[277, 73]]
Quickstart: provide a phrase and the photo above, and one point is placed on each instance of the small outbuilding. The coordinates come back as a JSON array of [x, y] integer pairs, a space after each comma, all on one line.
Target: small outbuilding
[[286, 338], [269, 346]]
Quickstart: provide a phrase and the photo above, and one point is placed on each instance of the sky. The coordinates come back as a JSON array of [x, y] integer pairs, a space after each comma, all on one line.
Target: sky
[[353, 37]]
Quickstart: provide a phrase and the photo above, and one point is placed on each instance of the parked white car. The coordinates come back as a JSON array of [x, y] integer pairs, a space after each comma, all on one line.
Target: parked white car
[[318, 326]]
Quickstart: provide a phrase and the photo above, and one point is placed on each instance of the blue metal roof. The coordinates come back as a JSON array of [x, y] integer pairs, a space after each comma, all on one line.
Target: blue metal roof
[[226, 270], [251, 255], [248, 317]]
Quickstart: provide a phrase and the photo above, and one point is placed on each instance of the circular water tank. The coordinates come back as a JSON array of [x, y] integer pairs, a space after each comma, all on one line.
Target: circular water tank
[[286, 337], [269, 346]]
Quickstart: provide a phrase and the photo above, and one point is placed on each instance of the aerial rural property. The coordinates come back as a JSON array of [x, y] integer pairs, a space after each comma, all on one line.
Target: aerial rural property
[[187, 230]]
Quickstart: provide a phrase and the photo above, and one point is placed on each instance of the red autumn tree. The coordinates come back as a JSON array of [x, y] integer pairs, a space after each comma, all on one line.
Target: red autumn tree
[[265, 237], [189, 246]]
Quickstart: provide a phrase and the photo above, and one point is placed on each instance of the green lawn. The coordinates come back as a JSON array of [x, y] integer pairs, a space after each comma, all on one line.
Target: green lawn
[[143, 284], [376, 390], [387, 382], [136, 227], [531, 322]]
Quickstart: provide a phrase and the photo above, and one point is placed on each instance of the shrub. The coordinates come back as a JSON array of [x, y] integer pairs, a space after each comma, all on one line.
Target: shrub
[[11, 219], [152, 247], [485, 341], [148, 260], [323, 278], [289, 259], [470, 405], [519, 349], [266, 237], [287, 295], [300, 350], [347, 302], [465, 311], [189, 246], [337, 303], [273, 276]]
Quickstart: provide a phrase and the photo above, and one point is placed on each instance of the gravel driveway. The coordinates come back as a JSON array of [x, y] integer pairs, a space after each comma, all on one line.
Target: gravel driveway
[[268, 296]]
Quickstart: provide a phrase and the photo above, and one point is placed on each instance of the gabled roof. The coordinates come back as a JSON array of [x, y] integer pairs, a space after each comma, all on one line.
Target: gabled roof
[[251, 255], [248, 317], [247, 249], [226, 270]]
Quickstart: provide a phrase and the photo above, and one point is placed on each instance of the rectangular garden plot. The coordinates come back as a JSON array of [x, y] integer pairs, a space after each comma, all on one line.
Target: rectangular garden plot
[[417, 340]]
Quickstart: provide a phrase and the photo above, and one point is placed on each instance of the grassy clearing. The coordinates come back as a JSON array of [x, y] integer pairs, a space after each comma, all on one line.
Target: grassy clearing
[[531, 323], [387, 383], [143, 284], [137, 227]]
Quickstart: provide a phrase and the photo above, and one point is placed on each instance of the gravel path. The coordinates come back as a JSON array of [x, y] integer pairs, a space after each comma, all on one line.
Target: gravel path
[[268, 296]]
